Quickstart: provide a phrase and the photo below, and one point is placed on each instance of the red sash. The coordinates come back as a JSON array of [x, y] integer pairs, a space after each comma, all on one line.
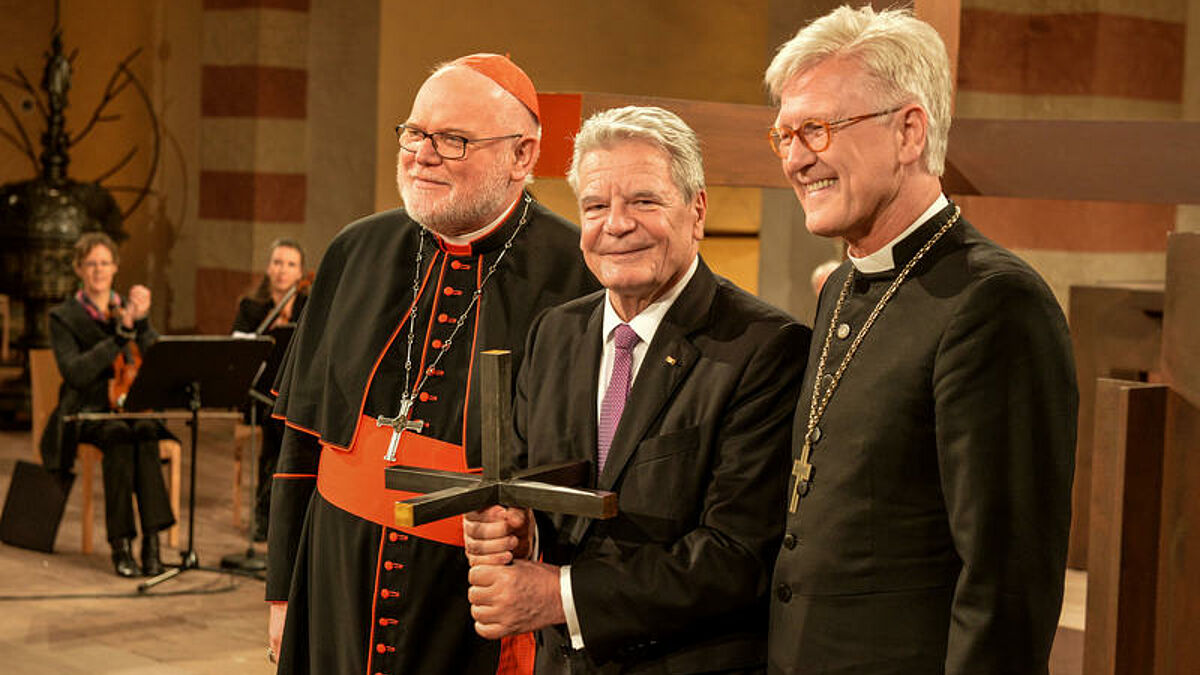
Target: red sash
[[353, 480]]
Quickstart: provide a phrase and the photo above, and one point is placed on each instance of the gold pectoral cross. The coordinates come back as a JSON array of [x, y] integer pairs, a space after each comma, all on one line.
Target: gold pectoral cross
[[802, 471], [400, 423]]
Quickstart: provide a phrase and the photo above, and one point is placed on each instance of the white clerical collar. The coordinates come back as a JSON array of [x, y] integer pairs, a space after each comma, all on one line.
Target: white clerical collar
[[464, 239], [646, 323], [882, 260]]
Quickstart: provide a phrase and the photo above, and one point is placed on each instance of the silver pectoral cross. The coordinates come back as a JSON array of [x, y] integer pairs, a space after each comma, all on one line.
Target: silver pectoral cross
[[399, 424], [802, 471]]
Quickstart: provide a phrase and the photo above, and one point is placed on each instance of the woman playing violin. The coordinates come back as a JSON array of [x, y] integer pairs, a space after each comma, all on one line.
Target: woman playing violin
[[283, 283], [89, 331], [285, 269]]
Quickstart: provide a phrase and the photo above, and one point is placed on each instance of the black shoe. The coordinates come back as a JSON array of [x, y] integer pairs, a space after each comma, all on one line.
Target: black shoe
[[151, 564], [260, 532], [122, 557]]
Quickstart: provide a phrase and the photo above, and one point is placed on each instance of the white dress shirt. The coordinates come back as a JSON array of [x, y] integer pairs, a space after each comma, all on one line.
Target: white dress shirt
[[645, 324]]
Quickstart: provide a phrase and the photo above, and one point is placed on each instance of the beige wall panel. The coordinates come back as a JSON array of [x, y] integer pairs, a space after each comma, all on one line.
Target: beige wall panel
[[735, 258], [256, 37], [984, 105], [1187, 218], [557, 196], [733, 210], [176, 90], [1061, 269], [675, 48], [241, 245], [227, 244], [1160, 10], [342, 130], [788, 255], [254, 144]]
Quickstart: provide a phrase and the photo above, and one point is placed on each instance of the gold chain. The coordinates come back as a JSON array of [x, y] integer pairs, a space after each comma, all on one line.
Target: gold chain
[[816, 411]]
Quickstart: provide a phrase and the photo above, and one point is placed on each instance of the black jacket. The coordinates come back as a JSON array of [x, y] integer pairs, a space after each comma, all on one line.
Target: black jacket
[[677, 581], [84, 349]]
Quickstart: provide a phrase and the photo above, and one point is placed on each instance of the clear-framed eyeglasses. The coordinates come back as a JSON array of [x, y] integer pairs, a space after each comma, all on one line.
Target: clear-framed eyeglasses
[[447, 146], [815, 134]]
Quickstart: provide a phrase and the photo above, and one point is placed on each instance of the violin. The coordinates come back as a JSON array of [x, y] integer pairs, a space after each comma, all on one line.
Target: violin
[[125, 370], [283, 310]]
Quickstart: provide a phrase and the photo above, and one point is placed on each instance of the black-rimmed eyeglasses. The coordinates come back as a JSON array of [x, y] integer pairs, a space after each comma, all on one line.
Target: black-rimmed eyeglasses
[[447, 146]]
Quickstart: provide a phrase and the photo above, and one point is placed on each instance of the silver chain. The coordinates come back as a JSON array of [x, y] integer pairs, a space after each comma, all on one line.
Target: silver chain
[[406, 394], [816, 411]]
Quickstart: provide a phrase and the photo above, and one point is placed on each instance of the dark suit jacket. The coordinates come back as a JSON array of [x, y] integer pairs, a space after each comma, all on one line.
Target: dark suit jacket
[[84, 350], [677, 581]]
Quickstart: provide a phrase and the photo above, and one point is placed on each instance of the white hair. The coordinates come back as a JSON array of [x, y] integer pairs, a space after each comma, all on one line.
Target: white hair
[[659, 127], [904, 56]]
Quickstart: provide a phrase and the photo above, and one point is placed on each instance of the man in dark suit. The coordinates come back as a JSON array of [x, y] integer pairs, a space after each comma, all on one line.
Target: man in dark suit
[[934, 440], [680, 386]]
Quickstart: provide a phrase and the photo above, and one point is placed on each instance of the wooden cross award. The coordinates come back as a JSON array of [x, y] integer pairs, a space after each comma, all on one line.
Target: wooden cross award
[[545, 488]]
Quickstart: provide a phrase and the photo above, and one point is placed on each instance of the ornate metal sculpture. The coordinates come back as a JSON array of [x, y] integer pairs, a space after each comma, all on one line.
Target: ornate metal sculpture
[[40, 219]]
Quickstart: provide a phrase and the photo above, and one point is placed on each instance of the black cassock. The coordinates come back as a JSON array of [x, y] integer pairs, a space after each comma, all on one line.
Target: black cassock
[[933, 538], [365, 597]]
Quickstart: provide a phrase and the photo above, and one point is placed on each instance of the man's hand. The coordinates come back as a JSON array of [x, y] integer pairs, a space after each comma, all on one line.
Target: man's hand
[[275, 629], [497, 535], [137, 305], [517, 598]]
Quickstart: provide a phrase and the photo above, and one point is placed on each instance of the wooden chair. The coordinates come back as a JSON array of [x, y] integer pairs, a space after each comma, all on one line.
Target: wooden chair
[[44, 380], [241, 434], [5, 316]]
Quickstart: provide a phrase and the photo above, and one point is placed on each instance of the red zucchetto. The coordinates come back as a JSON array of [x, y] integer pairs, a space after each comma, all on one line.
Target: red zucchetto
[[502, 71]]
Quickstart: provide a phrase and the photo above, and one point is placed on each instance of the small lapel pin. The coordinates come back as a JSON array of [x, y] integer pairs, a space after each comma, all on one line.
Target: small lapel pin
[[670, 360]]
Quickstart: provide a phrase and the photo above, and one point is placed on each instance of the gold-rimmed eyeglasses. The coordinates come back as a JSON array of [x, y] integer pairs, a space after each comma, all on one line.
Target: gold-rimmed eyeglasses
[[815, 134], [447, 146]]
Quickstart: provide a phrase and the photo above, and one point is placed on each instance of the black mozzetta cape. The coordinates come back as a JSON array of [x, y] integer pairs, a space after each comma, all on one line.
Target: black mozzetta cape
[[365, 281]]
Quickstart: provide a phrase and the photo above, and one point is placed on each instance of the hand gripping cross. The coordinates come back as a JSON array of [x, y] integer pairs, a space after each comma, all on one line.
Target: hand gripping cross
[[545, 488]]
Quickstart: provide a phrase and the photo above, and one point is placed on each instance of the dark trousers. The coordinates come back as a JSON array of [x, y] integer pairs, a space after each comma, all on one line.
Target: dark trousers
[[272, 440], [131, 467]]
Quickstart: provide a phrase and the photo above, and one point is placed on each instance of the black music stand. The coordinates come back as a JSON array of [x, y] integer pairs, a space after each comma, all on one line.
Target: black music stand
[[193, 372], [251, 562]]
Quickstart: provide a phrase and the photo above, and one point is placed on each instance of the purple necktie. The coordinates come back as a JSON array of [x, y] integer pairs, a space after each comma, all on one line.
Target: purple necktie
[[624, 339]]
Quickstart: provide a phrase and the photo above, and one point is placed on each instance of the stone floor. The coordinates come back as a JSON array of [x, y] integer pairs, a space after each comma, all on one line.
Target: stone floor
[[87, 620]]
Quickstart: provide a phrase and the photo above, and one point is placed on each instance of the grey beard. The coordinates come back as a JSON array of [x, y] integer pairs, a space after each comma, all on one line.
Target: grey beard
[[458, 217], [455, 217]]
